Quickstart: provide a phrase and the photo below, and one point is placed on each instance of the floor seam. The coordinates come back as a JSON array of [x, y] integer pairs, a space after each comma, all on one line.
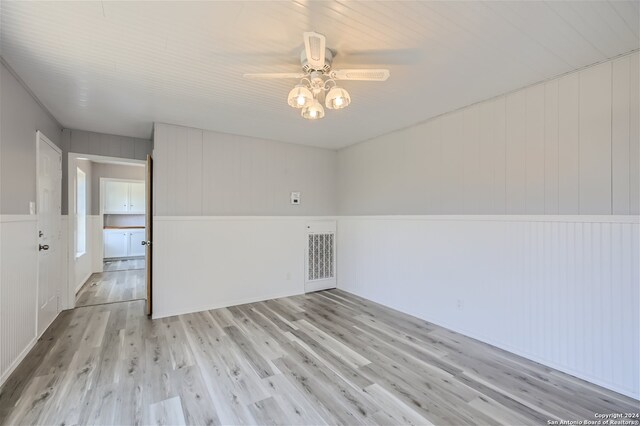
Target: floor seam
[[109, 303]]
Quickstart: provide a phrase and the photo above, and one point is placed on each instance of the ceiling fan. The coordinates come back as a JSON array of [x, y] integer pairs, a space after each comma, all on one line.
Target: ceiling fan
[[318, 80]]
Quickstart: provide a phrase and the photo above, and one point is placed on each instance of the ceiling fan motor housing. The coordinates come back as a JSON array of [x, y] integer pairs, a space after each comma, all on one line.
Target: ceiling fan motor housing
[[328, 58]]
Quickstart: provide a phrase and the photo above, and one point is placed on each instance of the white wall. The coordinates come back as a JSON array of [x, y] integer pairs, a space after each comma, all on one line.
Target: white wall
[[91, 261], [208, 262], [567, 146], [20, 116], [83, 264], [224, 229], [91, 143], [83, 142], [18, 289], [199, 172], [560, 290]]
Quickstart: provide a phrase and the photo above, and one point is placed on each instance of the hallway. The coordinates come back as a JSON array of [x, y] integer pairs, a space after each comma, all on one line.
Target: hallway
[[113, 286]]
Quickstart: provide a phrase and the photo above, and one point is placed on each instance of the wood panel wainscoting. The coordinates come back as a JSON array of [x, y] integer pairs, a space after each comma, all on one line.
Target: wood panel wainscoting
[[322, 358]]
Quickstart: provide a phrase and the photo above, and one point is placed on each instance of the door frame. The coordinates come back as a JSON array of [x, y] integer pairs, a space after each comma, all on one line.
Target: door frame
[[69, 296], [149, 234], [42, 137]]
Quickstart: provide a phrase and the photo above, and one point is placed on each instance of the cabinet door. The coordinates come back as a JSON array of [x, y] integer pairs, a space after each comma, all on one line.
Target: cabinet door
[[135, 242], [136, 198], [115, 243], [116, 197]]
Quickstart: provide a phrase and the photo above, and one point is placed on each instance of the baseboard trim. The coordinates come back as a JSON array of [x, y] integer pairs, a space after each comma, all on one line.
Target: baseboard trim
[[222, 305], [18, 360], [83, 282]]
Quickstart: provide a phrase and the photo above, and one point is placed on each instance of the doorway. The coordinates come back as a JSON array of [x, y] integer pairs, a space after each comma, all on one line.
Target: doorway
[[122, 209], [107, 229]]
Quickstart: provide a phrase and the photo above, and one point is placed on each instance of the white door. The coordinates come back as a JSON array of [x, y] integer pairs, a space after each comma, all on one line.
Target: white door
[[116, 197], [49, 180], [115, 243], [136, 198], [136, 238]]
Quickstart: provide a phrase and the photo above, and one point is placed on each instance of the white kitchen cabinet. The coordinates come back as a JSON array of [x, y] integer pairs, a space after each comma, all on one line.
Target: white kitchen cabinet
[[136, 237], [123, 243], [121, 197], [137, 199], [116, 243], [116, 197]]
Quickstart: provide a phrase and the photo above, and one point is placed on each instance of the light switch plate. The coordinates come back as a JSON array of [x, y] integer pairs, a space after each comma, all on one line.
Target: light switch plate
[[32, 207], [295, 198]]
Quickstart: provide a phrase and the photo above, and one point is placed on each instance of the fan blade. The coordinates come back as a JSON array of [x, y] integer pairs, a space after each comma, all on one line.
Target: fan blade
[[275, 75], [314, 45], [361, 74], [409, 56]]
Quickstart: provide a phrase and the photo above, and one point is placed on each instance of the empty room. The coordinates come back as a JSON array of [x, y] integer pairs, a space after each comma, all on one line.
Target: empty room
[[320, 212]]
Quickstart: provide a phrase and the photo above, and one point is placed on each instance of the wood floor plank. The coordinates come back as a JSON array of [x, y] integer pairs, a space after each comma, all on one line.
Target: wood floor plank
[[130, 403], [195, 397], [124, 264], [321, 358], [348, 372], [392, 409], [259, 364], [322, 398], [496, 411], [179, 349], [357, 402], [268, 412], [298, 408], [223, 397], [167, 412], [351, 357]]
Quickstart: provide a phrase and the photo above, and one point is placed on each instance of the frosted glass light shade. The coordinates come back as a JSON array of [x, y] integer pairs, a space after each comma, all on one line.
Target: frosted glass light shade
[[300, 97], [313, 111], [337, 98]]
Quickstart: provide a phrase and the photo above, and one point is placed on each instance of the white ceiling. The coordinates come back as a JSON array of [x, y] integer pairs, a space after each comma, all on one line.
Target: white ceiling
[[116, 67]]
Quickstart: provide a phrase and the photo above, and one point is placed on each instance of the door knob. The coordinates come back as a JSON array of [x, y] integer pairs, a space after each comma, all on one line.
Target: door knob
[[145, 243], [43, 247]]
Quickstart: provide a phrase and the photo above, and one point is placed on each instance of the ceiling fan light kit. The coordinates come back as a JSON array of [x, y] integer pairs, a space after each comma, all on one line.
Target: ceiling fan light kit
[[337, 98], [300, 96], [313, 111], [318, 80]]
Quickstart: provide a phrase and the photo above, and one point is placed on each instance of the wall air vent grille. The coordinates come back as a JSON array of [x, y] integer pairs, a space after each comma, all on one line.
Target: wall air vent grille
[[321, 256]]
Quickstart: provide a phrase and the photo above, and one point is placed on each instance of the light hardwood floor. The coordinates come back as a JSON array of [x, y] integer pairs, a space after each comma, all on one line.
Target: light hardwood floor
[[322, 358], [109, 287], [123, 264]]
